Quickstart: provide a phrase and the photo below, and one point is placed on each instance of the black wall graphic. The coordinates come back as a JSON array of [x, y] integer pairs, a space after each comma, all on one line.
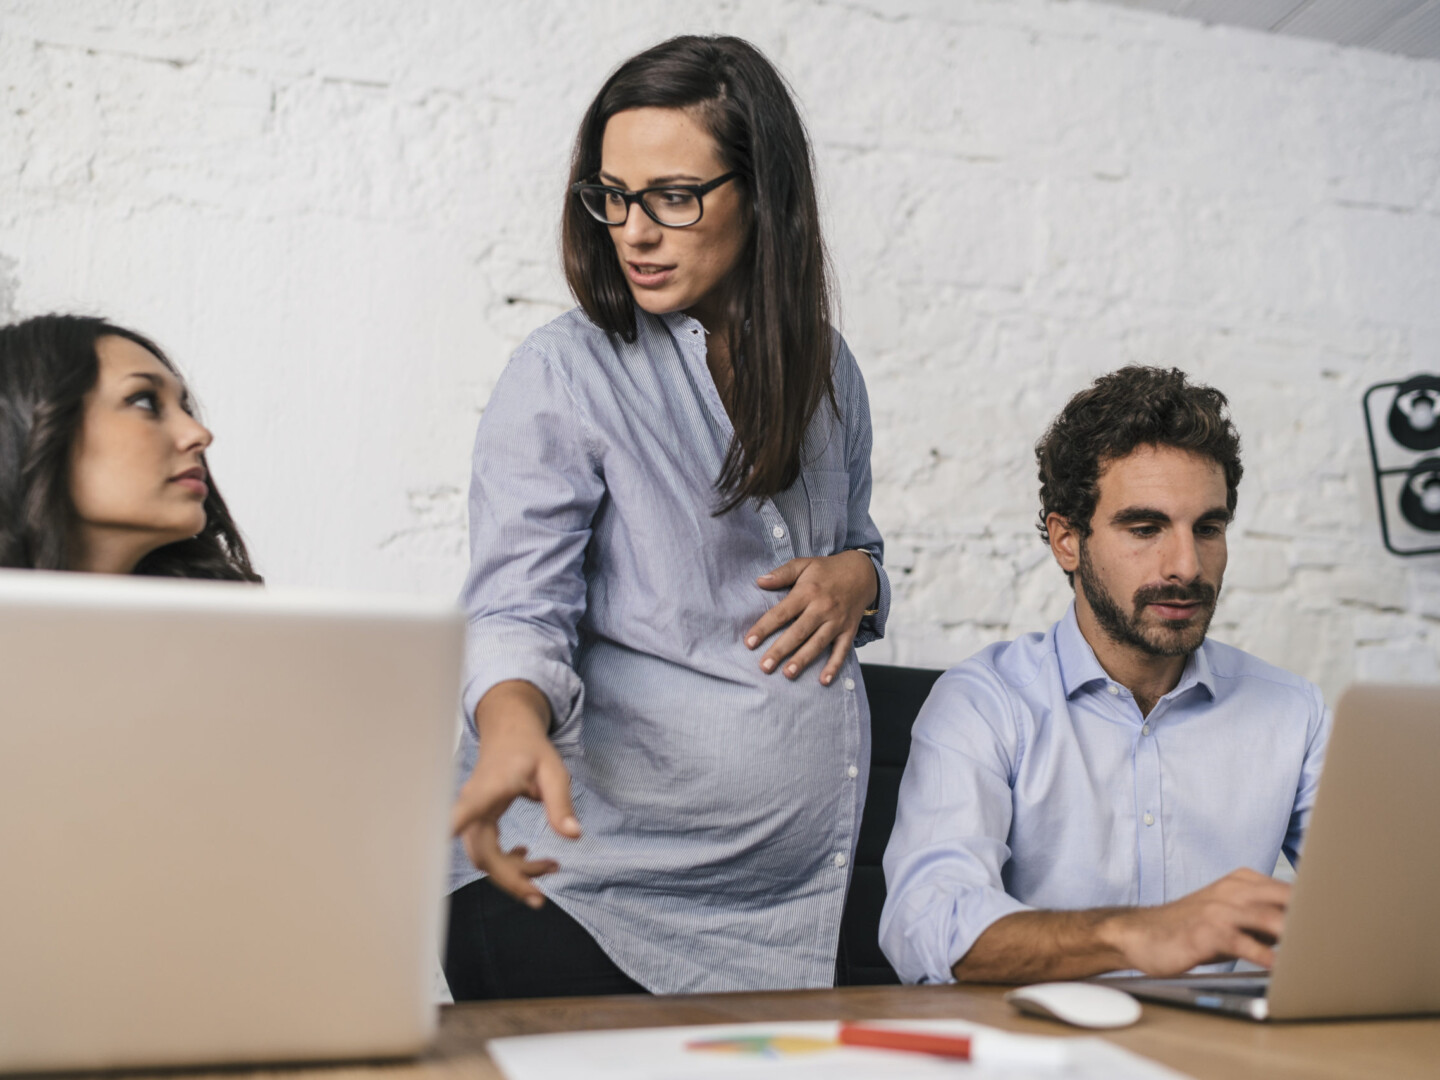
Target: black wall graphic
[[1403, 422]]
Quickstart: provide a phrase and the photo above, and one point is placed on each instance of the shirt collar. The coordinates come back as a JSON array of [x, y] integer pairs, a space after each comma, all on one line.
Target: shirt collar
[[1079, 668], [676, 321]]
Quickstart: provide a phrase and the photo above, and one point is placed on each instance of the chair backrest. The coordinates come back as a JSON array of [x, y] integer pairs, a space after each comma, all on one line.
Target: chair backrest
[[895, 695]]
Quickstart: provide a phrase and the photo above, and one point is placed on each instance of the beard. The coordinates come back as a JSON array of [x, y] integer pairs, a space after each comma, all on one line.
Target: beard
[[1169, 638]]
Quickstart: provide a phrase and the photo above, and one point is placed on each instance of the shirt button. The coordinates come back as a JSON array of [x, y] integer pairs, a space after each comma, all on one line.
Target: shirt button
[[1145, 730], [849, 684], [852, 772], [840, 860], [1149, 818], [778, 533], [1114, 689]]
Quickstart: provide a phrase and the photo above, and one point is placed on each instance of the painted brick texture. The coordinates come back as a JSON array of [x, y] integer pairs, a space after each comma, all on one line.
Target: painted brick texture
[[340, 217]]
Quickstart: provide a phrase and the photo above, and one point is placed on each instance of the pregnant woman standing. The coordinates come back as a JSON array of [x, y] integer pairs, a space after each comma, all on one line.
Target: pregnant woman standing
[[671, 558]]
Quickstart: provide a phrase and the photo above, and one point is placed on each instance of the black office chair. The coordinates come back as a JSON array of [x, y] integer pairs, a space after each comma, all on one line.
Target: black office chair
[[895, 695]]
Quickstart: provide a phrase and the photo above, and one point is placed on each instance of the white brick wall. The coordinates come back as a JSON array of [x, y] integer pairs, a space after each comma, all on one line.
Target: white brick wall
[[340, 217]]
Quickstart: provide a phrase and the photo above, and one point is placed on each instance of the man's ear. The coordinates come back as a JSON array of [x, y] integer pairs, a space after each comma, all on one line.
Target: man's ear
[[1064, 542]]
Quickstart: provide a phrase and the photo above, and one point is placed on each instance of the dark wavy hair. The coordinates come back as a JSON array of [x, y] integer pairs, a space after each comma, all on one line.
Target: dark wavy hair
[[47, 366], [1135, 406], [779, 319]]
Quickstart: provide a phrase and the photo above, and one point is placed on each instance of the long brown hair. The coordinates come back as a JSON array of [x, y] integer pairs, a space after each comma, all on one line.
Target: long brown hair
[[47, 366], [778, 307]]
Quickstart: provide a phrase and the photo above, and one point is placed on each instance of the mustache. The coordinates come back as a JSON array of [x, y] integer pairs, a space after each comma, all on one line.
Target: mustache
[[1198, 592]]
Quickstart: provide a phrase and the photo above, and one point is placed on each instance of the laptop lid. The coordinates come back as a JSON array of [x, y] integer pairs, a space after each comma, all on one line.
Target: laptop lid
[[1361, 934], [222, 821]]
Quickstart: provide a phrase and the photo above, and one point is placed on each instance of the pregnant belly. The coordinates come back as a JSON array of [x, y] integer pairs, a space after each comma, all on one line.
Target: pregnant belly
[[682, 753]]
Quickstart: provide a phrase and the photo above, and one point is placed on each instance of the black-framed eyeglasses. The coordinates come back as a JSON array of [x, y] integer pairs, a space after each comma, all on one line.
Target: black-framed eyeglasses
[[672, 205]]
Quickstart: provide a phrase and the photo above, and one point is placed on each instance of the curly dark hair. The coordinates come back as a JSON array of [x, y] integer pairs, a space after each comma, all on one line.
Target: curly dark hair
[[47, 366], [1134, 406]]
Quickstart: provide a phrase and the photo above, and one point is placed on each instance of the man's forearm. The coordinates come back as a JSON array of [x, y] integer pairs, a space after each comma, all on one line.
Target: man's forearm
[[1238, 917], [1036, 946]]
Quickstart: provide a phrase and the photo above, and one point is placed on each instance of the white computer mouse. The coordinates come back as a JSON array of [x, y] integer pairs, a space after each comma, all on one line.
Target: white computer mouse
[[1084, 1004]]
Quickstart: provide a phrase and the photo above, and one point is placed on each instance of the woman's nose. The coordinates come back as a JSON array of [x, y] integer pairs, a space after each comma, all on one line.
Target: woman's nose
[[194, 435], [639, 230]]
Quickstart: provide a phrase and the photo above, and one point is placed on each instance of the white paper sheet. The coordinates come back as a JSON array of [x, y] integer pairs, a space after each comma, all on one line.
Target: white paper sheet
[[804, 1051]]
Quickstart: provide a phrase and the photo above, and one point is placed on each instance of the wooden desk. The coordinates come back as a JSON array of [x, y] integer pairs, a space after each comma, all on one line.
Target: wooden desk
[[1194, 1043]]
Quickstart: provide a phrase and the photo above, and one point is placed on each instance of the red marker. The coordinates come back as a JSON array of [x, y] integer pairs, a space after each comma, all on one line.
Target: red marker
[[984, 1047], [954, 1046]]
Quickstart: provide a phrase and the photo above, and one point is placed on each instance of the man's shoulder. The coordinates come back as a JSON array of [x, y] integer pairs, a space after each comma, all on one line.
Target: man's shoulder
[[1003, 671], [1241, 671]]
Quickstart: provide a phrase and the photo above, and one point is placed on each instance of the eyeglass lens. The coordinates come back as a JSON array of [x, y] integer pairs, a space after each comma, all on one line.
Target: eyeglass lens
[[667, 205]]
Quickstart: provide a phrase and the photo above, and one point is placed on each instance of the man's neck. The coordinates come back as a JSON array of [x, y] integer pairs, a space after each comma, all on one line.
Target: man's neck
[[1147, 676]]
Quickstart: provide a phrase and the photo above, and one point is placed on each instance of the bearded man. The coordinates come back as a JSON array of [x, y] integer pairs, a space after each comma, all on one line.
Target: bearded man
[[1113, 793]]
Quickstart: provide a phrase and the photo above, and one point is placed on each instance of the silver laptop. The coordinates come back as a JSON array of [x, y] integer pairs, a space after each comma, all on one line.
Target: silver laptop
[[1362, 936], [222, 821]]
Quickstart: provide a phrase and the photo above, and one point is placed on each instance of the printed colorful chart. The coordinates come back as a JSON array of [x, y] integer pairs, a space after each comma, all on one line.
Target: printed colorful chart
[[768, 1046]]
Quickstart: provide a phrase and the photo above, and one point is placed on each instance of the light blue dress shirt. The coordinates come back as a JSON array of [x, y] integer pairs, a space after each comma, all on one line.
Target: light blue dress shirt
[[720, 805], [1034, 782]]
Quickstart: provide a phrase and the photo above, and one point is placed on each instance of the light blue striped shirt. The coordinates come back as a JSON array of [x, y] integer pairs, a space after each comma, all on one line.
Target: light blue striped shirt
[[720, 805], [1034, 782]]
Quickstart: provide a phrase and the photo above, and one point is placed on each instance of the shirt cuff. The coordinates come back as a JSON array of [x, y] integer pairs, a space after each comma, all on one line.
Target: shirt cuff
[[931, 929], [979, 910], [872, 627], [488, 664]]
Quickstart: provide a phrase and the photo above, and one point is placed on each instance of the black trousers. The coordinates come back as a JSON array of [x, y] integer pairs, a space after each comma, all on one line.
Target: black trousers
[[499, 948]]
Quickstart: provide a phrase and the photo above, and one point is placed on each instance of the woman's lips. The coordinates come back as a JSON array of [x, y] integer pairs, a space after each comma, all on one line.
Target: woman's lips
[[193, 481], [648, 275]]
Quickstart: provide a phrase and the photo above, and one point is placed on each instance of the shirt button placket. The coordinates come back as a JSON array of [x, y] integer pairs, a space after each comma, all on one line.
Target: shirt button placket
[[1151, 840], [779, 534]]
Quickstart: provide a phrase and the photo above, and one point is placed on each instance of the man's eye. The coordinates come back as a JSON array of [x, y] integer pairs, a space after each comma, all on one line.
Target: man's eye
[[1209, 531], [1143, 531]]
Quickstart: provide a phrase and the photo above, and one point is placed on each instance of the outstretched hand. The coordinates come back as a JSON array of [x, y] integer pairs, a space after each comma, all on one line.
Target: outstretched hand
[[516, 759], [828, 597]]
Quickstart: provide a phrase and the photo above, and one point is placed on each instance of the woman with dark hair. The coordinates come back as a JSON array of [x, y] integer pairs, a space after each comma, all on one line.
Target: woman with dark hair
[[669, 523], [102, 462]]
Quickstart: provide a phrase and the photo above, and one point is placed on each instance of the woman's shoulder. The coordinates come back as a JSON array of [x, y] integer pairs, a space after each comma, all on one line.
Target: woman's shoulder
[[565, 352], [842, 360], [566, 337], [844, 372]]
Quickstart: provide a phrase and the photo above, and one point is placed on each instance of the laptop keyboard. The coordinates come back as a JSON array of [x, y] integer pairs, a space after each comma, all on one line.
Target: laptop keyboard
[[1255, 988], [1247, 989]]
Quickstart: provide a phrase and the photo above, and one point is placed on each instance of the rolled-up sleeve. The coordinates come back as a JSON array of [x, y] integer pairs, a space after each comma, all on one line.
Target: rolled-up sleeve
[[534, 489], [861, 532], [944, 860]]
